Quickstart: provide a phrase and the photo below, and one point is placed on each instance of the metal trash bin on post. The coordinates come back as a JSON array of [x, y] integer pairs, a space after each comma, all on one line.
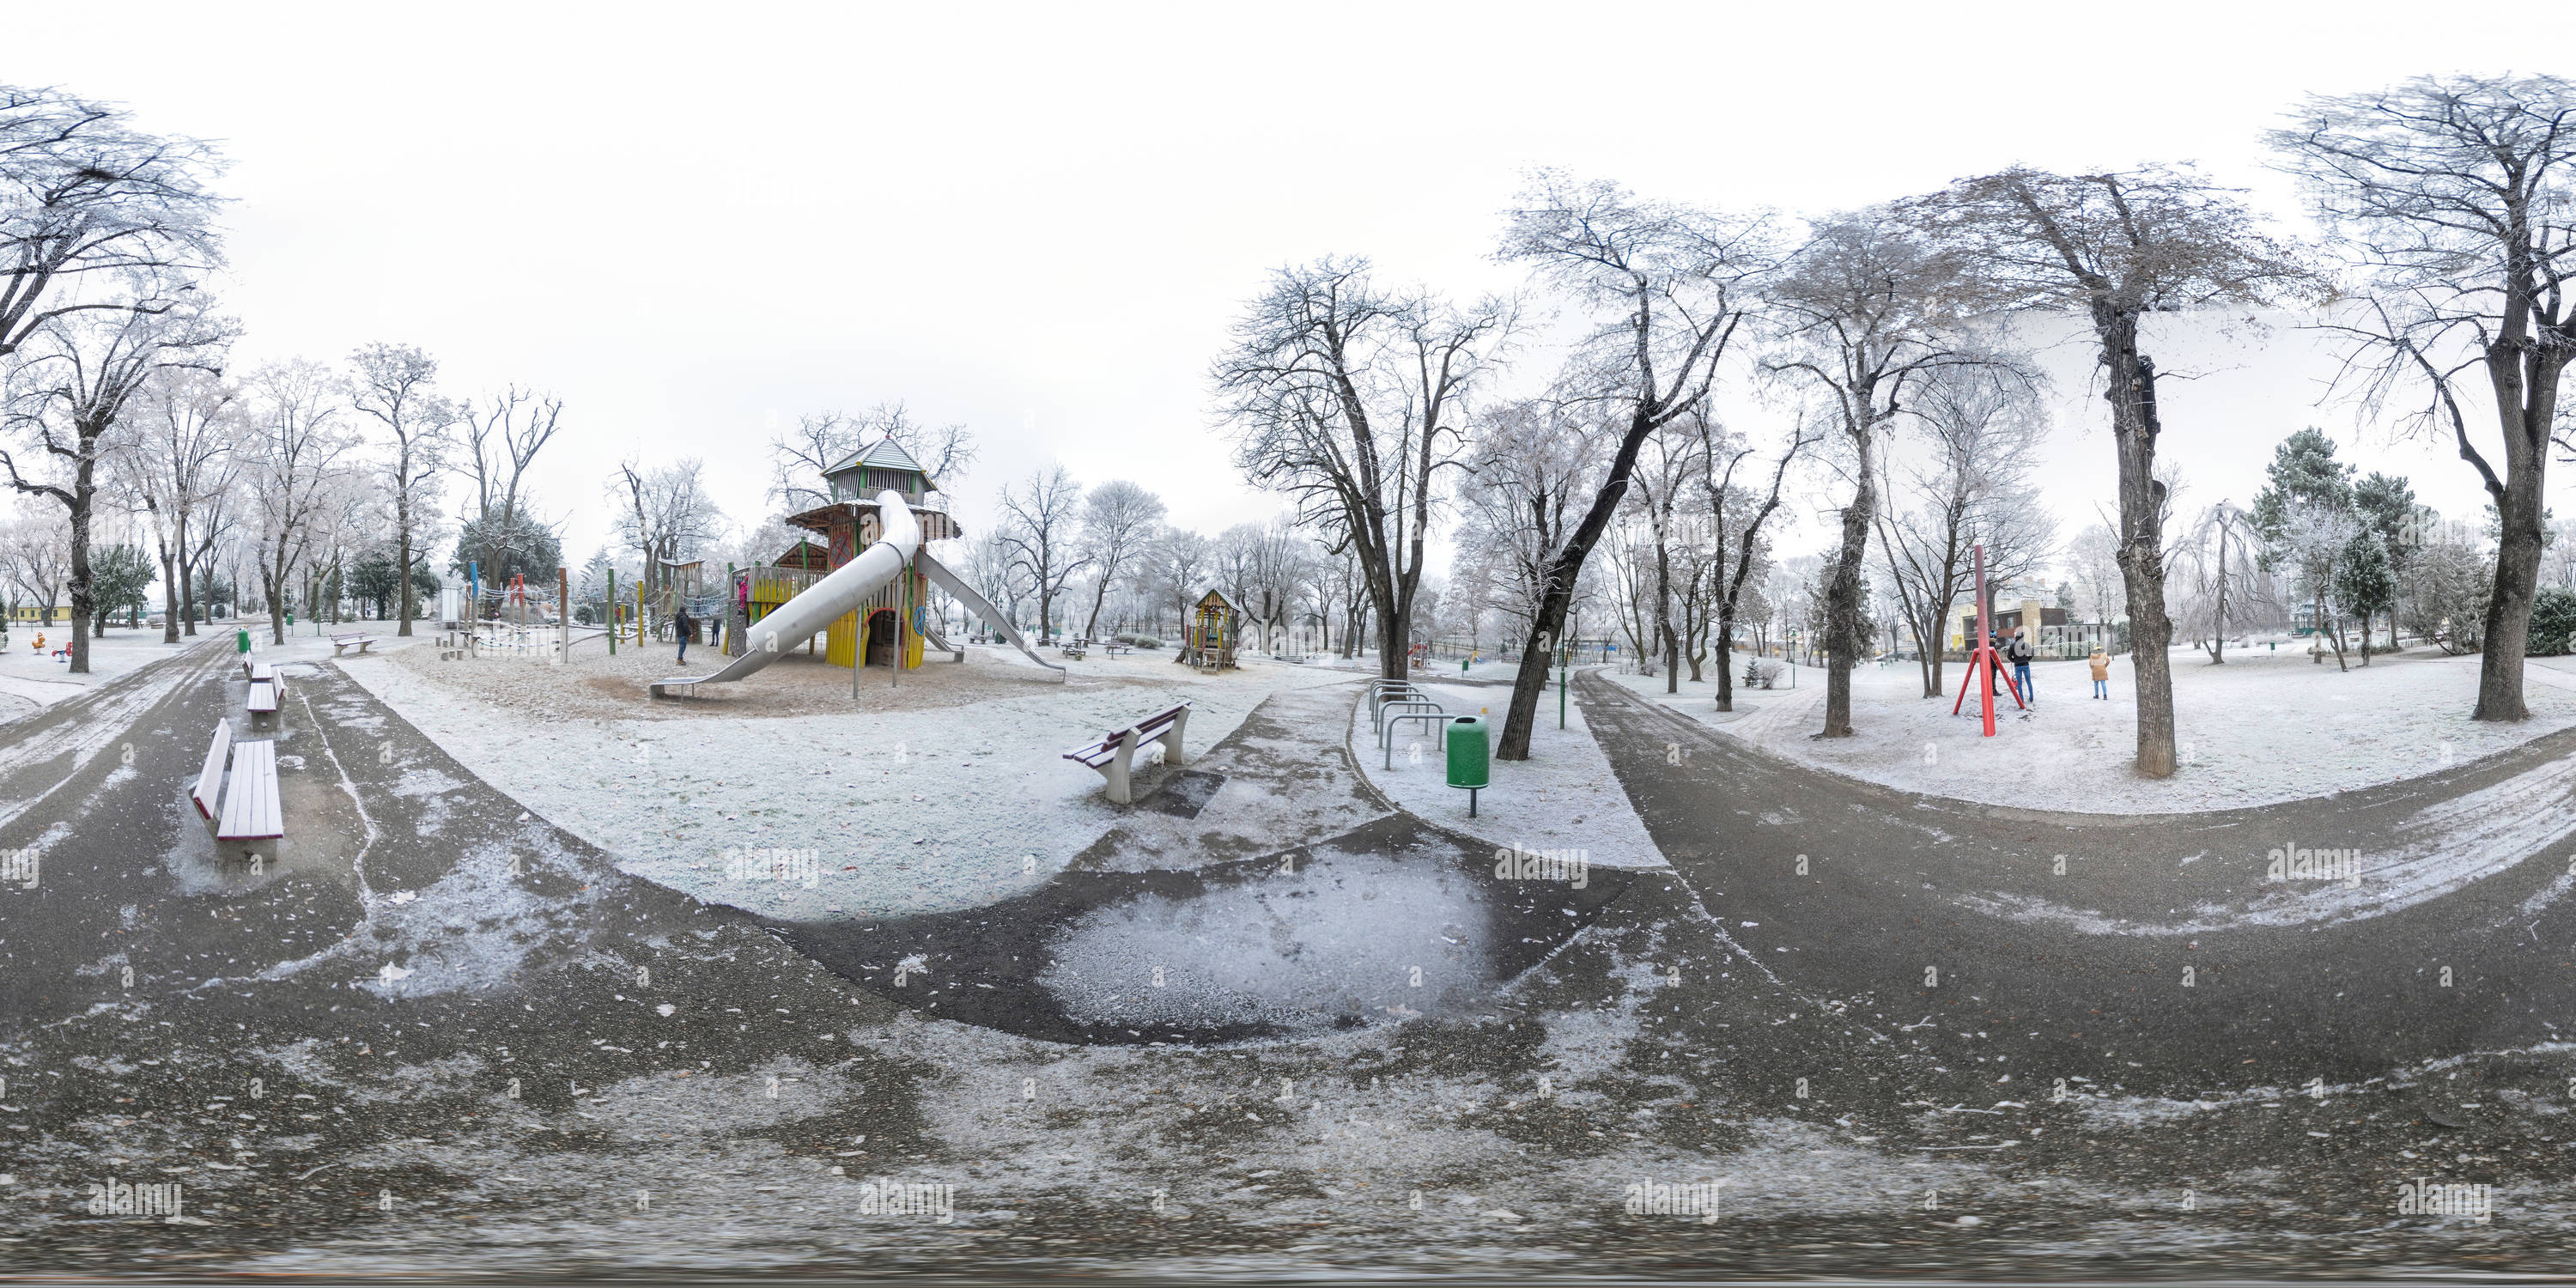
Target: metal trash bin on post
[[241, 641], [1470, 756]]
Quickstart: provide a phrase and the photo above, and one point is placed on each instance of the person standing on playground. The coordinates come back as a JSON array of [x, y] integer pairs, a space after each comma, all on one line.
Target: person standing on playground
[[2101, 673], [680, 624], [2018, 651]]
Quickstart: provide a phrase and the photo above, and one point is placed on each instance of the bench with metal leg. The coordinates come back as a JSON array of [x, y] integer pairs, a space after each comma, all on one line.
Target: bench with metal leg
[[1114, 755]]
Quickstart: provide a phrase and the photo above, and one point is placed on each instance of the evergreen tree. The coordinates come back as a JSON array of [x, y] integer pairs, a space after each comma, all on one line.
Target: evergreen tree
[[2302, 513], [2388, 511], [2364, 582]]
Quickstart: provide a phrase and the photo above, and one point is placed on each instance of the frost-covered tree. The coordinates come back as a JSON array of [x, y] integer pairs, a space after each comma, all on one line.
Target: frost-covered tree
[[1351, 397], [2443, 595], [2116, 247], [2451, 201], [1965, 483], [2364, 583], [392, 387], [1119, 521], [2306, 517]]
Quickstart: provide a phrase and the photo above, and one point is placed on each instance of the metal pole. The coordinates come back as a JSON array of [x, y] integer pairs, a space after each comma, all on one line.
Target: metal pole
[[611, 623]]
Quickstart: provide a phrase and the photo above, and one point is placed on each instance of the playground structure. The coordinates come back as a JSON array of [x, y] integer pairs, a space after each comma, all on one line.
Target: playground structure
[[1215, 627], [870, 606], [1983, 662]]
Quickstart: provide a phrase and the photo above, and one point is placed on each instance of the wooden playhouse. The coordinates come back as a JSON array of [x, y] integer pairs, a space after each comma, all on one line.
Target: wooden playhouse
[[887, 629], [1209, 637]]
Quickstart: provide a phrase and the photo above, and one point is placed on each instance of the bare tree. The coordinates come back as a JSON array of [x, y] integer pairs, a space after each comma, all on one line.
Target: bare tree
[[35, 555], [664, 514], [1530, 464], [1867, 312], [183, 423], [1119, 520], [1667, 285], [1735, 522], [502, 438], [1042, 516], [2115, 246], [391, 384], [1970, 486], [2452, 200], [74, 380], [824, 439], [294, 447], [1351, 398], [2225, 585], [95, 215], [1182, 562]]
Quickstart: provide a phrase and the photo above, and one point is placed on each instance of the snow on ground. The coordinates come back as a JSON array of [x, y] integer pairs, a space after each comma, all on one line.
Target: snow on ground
[[1564, 797], [2264, 727], [31, 681], [925, 808]]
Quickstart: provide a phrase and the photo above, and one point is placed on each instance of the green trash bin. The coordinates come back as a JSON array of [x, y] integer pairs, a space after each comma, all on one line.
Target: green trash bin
[[241, 641], [1470, 756]]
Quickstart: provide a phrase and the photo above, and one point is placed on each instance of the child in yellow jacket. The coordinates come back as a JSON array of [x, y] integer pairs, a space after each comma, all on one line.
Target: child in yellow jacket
[[2101, 674]]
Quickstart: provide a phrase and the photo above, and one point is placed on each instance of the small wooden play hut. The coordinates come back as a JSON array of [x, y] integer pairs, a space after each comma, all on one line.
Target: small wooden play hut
[[1215, 625], [885, 630]]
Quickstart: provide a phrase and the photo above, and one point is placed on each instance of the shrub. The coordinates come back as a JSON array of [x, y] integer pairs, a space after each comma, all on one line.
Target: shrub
[[2553, 621], [1144, 641]]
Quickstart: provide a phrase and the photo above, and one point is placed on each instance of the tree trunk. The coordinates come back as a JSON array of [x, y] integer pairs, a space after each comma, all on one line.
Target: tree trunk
[[1726, 661], [84, 587], [187, 578], [1843, 636], [1557, 599], [2518, 550], [169, 595], [2134, 426]]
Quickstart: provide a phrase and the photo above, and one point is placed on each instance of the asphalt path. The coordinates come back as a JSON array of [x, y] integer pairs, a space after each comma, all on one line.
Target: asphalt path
[[432, 1029], [2152, 950]]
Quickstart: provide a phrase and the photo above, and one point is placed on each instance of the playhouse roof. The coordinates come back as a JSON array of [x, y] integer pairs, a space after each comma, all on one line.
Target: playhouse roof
[[1223, 598], [883, 454], [804, 554]]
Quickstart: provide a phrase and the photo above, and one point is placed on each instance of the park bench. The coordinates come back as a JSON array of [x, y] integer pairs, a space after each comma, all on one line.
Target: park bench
[[1114, 648], [250, 811], [341, 644], [263, 698], [1071, 649], [1115, 754]]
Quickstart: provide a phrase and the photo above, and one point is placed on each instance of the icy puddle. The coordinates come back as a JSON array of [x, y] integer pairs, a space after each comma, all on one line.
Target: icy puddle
[[1392, 921]]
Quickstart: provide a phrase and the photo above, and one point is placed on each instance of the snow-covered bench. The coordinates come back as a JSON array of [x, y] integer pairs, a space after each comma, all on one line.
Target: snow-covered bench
[[250, 811], [1115, 754], [341, 644]]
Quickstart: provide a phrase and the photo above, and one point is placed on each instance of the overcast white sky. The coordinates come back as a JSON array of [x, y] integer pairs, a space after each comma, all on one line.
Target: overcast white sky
[[694, 222]]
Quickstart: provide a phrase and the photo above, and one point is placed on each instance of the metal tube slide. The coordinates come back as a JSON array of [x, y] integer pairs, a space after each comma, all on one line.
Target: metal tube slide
[[955, 585]]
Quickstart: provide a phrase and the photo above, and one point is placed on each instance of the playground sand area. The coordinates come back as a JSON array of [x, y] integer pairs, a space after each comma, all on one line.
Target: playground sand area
[[948, 792], [595, 686]]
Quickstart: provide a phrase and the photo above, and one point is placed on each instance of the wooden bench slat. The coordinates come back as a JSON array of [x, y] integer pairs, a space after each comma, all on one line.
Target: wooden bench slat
[[251, 811], [210, 780], [263, 696]]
